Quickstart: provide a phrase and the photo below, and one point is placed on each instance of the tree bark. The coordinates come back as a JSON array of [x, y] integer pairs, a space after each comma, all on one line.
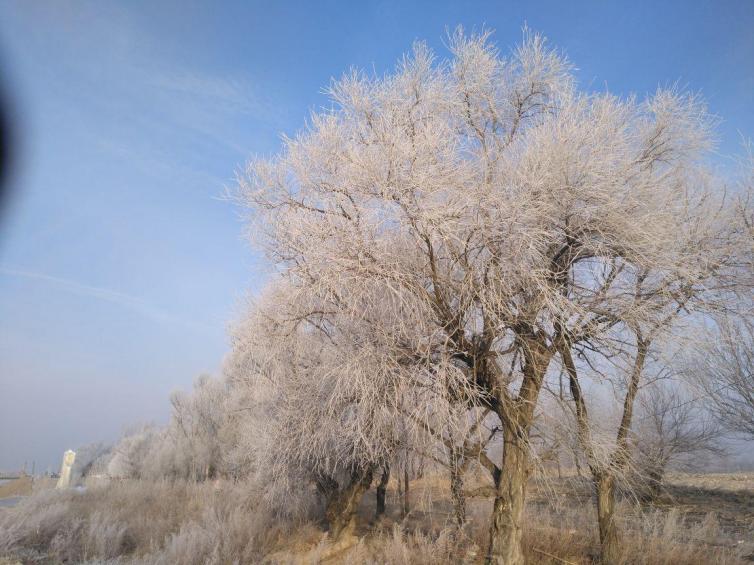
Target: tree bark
[[340, 511], [506, 532], [609, 537], [605, 479], [516, 416], [405, 491], [456, 487], [603, 475], [381, 491]]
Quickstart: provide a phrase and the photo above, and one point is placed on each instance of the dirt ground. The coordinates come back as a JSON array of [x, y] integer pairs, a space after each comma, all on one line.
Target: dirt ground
[[729, 495]]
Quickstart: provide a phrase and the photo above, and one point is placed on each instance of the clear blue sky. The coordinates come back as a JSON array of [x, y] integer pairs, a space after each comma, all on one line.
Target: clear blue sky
[[120, 265]]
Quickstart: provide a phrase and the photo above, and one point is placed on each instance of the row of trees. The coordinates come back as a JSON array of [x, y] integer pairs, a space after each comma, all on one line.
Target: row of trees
[[451, 235], [233, 428], [193, 446], [457, 244]]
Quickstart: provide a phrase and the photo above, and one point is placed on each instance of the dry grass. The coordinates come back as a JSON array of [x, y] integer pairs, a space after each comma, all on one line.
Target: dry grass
[[156, 523], [21, 486], [140, 522], [561, 529], [715, 481]]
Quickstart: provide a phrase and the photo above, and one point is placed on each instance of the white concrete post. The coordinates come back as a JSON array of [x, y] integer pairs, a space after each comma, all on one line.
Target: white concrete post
[[65, 470]]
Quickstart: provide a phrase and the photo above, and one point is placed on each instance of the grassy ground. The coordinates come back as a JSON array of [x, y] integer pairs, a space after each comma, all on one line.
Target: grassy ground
[[701, 519], [21, 486]]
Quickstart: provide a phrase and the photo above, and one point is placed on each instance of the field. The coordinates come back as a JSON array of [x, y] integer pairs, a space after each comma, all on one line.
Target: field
[[700, 519], [21, 486]]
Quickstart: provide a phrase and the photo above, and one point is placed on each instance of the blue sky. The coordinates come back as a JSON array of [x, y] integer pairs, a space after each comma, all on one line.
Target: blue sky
[[120, 263]]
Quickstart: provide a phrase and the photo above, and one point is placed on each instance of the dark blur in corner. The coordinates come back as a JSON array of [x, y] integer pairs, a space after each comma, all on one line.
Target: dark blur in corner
[[6, 144]]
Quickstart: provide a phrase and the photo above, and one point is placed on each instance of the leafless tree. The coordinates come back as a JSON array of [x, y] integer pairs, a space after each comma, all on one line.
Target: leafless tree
[[454, 226], [673, 429], [196, 424], [623, 365], [724, 371]]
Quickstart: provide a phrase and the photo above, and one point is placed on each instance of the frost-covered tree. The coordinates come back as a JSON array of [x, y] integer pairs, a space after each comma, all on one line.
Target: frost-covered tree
[[192, 446], [673, 430], [130, 454], [723, 370], [196, 427], [477, 218], [324, 403]]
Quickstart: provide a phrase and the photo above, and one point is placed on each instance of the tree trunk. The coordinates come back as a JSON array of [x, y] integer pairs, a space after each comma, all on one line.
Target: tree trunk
[[381, 490], [399, 482], [340, 511], [605, 479], [506, 532], [516, 416], [603, 475], [456, 486], [609, 539], [405, 491]]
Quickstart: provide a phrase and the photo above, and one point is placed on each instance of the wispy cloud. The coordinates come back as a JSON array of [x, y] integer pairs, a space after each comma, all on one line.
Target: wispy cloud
[[107, 56], [127, 301], [217, 107], [233, 94]]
